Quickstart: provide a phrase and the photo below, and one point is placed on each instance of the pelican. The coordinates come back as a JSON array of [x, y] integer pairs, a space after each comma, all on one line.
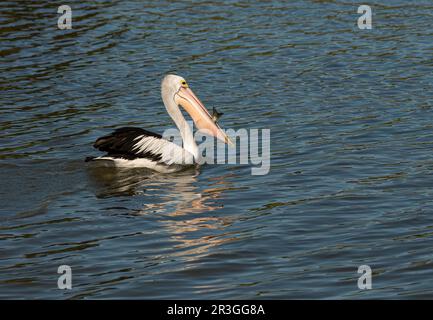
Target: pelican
[[136, 147]]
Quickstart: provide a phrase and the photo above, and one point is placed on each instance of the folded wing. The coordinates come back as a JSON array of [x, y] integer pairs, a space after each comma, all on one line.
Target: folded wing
[[132, 143]]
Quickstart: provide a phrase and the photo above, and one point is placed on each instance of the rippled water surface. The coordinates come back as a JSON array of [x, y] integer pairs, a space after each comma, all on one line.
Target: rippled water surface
[[350, 113]]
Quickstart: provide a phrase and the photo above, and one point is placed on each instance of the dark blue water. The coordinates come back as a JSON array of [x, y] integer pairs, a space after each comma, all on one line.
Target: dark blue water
[[350, 113]]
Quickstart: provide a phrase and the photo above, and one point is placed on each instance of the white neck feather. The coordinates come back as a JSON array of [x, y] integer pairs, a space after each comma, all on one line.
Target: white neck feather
[[173, 110]]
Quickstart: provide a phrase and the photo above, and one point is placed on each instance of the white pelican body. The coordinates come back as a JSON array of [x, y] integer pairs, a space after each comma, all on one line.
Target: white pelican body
[[136, 147]]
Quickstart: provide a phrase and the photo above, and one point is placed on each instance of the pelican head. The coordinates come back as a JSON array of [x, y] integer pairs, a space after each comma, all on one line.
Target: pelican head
[[179, 90]]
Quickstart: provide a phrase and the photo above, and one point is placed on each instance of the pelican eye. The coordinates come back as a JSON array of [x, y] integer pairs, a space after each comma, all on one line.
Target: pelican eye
[[184, 84]]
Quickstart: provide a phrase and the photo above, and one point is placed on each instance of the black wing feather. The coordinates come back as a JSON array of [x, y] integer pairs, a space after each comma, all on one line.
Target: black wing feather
[[120, 144]]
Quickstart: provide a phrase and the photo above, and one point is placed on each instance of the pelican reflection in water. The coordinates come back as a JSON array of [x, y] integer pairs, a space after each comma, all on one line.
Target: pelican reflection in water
[[171, 197]]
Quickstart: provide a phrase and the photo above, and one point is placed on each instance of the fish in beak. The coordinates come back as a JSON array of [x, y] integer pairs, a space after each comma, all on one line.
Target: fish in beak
[[216, 115], [199, 114]]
